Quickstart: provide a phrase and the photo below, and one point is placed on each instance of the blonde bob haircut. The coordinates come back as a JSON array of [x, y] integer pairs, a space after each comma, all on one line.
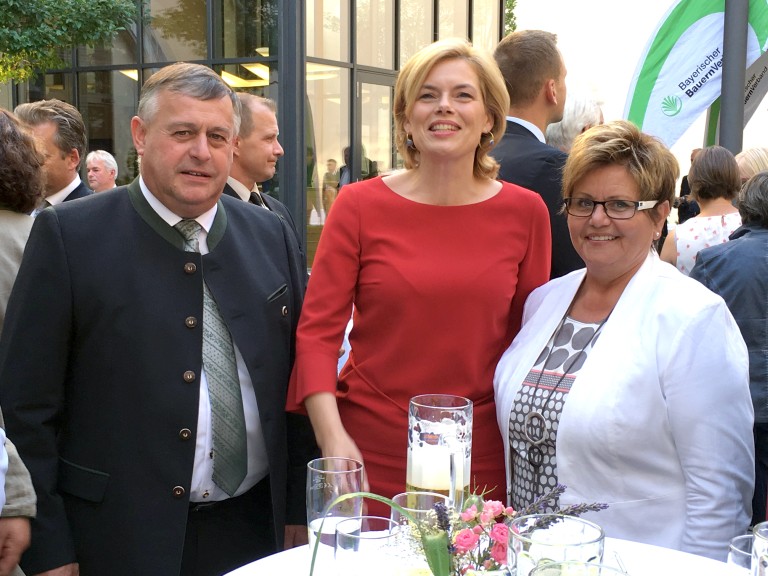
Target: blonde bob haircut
[[647, 160], [492, 88]]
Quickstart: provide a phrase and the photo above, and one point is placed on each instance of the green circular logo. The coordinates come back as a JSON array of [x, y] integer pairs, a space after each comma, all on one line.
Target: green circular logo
[[671, 105]]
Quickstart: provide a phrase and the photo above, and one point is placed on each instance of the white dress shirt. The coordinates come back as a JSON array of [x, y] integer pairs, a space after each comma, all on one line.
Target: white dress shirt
[[203, 489], [532, 127]]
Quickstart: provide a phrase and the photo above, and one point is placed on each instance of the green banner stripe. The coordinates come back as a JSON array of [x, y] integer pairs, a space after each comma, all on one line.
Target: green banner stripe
[[680, 19]]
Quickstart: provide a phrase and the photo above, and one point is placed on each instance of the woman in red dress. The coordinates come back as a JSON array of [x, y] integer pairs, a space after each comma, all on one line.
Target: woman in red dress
[[437, 260]]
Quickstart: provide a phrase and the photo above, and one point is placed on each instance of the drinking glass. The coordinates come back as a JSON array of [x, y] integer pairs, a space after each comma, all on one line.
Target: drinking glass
[[327, 479], [760, 550], [421, 507], [440, 445], [553, 538], [574, 568], [367, 545], [740, 551]]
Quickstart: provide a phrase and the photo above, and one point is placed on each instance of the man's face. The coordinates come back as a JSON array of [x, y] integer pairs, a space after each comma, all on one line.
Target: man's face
[[257, 154], [60, 167], [100, 178], [331, 166], [186, 151]]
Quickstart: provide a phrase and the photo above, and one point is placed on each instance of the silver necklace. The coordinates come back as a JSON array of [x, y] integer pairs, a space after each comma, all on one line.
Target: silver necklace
[[535, 420]]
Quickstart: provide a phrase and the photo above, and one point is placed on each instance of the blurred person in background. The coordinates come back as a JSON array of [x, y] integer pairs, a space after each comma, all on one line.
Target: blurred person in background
[[738, 271], [102, 170], [751, 161], [581, 113], [60, 130], [615, 393], [714, 179]]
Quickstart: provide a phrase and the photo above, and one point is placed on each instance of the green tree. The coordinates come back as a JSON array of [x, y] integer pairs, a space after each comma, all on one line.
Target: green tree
[[510, 24], [32, 32]]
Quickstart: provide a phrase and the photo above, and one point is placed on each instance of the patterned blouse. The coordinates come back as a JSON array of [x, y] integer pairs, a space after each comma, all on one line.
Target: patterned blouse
[[543, 393], [701, 232]]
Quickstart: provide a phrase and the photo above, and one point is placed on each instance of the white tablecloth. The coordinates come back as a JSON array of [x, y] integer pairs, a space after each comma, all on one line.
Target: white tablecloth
[[638, 560]]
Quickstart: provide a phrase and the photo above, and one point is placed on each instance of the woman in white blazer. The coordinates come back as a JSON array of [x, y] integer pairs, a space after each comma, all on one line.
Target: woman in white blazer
[[613, 389]]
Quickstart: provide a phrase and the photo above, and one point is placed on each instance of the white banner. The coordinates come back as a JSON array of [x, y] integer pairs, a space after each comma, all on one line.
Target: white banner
[[680, 73]]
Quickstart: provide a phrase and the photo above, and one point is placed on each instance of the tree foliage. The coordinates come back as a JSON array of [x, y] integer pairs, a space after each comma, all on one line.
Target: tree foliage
[[32, 32], [510, 23]]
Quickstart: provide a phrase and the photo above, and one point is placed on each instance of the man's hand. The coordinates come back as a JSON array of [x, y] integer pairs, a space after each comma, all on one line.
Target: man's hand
[[68, 570], [295, 535], [14, 539]]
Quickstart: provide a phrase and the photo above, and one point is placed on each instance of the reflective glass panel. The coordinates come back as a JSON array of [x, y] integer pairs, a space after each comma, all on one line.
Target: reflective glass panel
[[415, 27], [246, 29], [452, 18], [327, 120], [123, 49], [375, 33], [176, 30], [485, 24], [108, 101], [328, 29]]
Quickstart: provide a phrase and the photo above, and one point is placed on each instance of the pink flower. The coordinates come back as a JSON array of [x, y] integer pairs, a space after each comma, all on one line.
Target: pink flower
[[469, 514], [465, 540], [496, 507], [509, 511], [499, 552], [500, 533]]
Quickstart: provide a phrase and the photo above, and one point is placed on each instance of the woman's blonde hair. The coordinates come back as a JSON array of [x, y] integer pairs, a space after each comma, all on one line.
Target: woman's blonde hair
[[492, 88]]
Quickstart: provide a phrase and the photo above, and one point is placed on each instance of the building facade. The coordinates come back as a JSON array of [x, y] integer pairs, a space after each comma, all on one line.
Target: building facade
[[330, 65]]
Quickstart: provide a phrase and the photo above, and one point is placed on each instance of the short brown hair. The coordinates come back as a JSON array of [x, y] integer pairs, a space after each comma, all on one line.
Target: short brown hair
[[247, 100], [527, 59], [647, 160], [714, 173], [412, 76], [70, 128]]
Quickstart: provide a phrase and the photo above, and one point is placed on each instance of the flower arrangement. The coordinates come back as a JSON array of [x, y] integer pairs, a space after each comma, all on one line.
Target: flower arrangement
[[476, 539]]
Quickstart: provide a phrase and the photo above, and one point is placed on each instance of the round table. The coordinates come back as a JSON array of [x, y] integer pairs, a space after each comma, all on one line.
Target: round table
[[638, 560]]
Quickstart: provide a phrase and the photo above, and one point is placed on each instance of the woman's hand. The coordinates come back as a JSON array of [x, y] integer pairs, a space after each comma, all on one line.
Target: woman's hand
[[331, 436]]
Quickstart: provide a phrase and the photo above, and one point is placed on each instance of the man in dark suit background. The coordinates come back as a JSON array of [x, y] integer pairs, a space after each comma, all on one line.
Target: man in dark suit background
[[255, 155], [113, 389], [534, 73], [61, 130]]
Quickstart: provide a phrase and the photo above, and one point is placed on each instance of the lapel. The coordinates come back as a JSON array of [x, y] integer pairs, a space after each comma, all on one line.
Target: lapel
[[167, 232]]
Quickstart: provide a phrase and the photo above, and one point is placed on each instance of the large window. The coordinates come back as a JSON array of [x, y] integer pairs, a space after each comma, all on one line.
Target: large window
[[108, 101], [416, 17], [177, 31], [375, 33], [328, 29], [453, 18], [246, 29]]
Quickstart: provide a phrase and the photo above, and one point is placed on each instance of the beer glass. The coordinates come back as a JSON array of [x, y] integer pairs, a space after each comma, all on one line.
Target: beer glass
[[440, 446]]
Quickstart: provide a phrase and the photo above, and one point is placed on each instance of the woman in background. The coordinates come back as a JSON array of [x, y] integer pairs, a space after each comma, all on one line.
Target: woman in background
[[715, 182], [437, 259], [612, 391], [751, 161]]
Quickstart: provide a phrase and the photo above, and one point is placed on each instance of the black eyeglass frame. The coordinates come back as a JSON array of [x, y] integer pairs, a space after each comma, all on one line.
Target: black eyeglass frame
[[639, 205]]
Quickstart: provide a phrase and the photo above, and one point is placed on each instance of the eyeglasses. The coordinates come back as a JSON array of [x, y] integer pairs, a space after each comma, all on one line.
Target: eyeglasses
[[615, 209]]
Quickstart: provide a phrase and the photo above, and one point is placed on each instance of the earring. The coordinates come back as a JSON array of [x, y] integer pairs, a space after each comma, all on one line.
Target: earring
[[491, 141], [656, 234], [409, 142]]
